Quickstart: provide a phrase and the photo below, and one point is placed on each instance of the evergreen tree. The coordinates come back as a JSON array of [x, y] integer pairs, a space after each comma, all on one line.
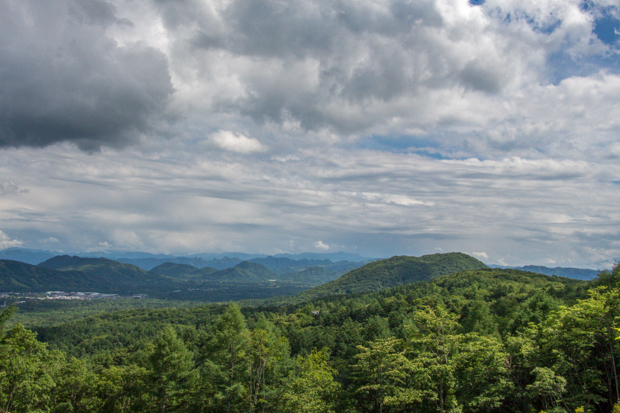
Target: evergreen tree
[[227, 364], [173, 373]]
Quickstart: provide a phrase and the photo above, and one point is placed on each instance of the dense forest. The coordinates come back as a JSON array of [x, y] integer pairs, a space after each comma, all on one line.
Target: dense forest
[[484, 340]]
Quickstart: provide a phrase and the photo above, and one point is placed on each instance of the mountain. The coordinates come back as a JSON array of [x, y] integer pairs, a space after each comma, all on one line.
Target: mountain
[[17, 276], [125, 276], [173, 270], [116, 255], [150, 263], [245, 272], [392, 272], [288, 265], [26, 255], [316, 275], [575, 273], [332, 256]]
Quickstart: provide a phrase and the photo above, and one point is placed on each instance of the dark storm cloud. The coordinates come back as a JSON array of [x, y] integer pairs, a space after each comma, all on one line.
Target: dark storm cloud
[[63, 79]]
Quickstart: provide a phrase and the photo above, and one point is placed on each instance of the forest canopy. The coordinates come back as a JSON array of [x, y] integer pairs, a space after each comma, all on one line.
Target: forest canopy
[[486, 340]]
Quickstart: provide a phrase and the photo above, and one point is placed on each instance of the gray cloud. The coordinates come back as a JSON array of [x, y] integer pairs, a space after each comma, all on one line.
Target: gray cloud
[[522, 211], [64, 79], [385, 127], [346, 65]]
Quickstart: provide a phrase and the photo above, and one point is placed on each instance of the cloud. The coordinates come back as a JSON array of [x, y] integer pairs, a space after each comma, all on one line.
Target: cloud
[[112, 73], [320, 246], [65, 79], [382, 126], [521, 209], [481, 255], [7, 242], [235, 142], [8, 188]]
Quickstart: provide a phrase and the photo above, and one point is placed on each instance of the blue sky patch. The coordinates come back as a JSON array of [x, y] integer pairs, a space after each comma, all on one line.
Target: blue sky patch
[[562, 66], [403, 144], [606, 29]]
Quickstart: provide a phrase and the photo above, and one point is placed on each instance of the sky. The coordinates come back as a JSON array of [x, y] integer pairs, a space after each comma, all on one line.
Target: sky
[[376, 127]]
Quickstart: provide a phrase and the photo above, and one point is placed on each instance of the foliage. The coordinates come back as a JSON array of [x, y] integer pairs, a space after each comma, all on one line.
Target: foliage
[[485, 340]]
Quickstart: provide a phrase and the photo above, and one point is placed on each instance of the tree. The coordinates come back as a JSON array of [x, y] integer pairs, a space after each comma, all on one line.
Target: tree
[[28, 372], [312, 388], [578, 343], [173, 372], [433, 347], [76, 387], [267, 355], [124, 389], [227, 363], [381, 377], [482, 374]]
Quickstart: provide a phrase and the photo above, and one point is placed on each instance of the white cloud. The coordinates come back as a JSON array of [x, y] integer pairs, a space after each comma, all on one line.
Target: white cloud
[[7, 242], [235, 142], [320, 246], [481, 255]]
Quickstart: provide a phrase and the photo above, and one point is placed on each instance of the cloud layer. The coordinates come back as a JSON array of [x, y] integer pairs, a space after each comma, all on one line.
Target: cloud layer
[[381, 126]]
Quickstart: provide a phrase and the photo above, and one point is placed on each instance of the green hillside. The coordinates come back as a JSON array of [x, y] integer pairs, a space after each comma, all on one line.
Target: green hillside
[[245, 272], [21, 277], [182, 271], [392, 272], [125, 276], [313, 276], [513, 297]]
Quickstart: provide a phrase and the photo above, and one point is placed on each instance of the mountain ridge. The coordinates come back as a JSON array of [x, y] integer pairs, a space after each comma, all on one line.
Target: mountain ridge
[[394, 271]]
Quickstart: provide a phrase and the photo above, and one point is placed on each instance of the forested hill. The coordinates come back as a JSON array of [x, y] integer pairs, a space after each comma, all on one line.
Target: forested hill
[[126, 276], [174, 270], [392, 272], [21, 277]]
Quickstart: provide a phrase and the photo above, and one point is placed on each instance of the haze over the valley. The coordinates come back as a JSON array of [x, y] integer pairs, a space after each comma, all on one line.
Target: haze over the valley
[[372, 127]]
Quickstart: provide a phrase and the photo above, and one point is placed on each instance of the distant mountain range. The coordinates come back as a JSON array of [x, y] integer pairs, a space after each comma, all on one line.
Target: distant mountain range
[[148, 261], [576, 273], [28, 256], [224, 278], [186, 281]]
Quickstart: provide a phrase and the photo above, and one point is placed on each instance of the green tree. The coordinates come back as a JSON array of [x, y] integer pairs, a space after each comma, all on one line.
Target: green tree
[[173, 373], [548, 386], [381, 376], [76, 388], [124, 389], [227, 363], [28, 372], [578, 344], [482, 374], [312, 388], [268, 357], [433, 347]]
